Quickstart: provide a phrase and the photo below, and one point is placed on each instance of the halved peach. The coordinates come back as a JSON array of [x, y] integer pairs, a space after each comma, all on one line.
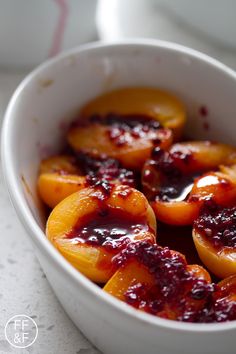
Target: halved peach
[[205, 155], [183, 162], [90, 226], [216, 186], [170, 180], [222, 263], [134, 272], [129, 147], [155, 103], [131, 274], [137, 284], [53, 187], [176, 213], [61, 164], [58, 178], [224, 300], [214, 236], [227, 288], [63, 175], [199, 272]]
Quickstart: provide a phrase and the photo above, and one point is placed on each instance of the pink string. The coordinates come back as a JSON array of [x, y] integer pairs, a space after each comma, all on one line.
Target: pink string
[[60, 27]]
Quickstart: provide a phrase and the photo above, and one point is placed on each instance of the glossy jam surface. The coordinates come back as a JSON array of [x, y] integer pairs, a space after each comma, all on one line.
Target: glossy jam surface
[[218, 225], [174, 182], [104, 168], [111, 228], [175, 289], [122, 128]]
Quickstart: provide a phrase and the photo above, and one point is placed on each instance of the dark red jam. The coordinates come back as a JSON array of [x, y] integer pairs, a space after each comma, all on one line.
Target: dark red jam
[[175, 293], [124, 128], [111, 228], [179, 239], [105, 169], [166, 177], [218, 310], [218, 225], [203, 110]]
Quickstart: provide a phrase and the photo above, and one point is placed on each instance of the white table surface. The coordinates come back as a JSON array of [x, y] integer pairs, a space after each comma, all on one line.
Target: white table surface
[[23, 286]]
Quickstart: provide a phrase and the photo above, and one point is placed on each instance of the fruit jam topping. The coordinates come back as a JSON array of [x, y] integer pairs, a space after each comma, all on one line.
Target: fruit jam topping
[[125, 128], [218, 225], [166, 175], [122, 129], [176, 293], [105, 169], [111, 228]]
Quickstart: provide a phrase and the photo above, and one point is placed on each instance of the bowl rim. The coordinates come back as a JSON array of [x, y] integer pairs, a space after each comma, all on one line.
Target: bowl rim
[[33, 229]]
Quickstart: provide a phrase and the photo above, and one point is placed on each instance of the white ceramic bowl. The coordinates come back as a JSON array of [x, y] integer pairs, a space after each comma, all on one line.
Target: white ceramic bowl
[[33, 125]]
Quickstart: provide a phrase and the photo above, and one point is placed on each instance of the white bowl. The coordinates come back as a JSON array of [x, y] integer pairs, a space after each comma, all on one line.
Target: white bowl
[[33, 125]]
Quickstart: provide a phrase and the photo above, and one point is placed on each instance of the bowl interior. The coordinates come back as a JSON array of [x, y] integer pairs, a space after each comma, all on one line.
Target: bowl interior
[[49, 98]]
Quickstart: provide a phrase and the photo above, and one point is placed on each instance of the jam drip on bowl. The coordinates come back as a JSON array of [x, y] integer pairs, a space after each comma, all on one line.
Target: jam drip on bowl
[[217, 225], [176, 292], [111, 228]]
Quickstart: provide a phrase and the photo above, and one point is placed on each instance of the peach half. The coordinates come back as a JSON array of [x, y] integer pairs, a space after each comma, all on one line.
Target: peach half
[[152, 102], [176, 181], [59, 177], [214, 236], [130, 140], [92, 225]]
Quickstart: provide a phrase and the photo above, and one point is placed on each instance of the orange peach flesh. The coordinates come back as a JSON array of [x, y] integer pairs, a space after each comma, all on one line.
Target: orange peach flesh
[[222, 262], [206, 155], [94, 139], [220, 185], [53, 187], [228, 287], [72, 209], [126, 276], [134, 272], [155, 103], [58, 178], [58, 164], [176, 213], [214, 185]]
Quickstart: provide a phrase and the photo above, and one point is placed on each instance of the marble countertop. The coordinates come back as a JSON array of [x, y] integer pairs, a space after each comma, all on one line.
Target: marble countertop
[[23, 286]]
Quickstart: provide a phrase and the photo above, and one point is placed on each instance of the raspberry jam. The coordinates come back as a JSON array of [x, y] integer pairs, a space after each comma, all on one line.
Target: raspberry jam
[[106, 169], [176, 293], [124, 128], [218, 225], [111, 228], [166, 176]]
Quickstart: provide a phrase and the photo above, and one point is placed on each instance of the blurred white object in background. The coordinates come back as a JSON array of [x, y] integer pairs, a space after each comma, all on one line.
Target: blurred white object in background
[[33, 30], [213, 18], [206, 25]]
